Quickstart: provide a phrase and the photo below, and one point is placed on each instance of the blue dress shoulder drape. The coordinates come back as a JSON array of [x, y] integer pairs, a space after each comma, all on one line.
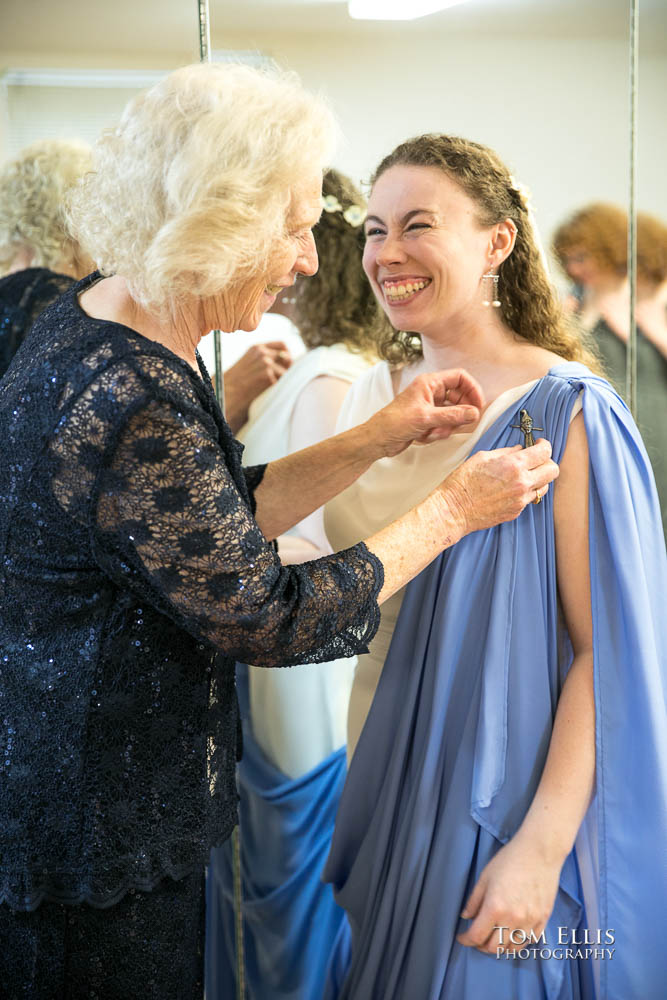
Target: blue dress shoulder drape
[[457, 736]]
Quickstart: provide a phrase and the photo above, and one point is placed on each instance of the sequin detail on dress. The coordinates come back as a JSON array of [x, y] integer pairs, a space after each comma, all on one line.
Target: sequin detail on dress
[[23, 296], [132, 576]]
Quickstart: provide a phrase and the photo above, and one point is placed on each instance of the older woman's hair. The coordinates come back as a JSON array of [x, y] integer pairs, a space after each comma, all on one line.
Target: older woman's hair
[[33, 187], [191, 190], [529, 304], [600, 230], [337, 305], [651, 249]]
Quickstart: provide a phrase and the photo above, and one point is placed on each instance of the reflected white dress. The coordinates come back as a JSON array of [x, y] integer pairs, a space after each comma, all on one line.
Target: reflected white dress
[[298, 713]]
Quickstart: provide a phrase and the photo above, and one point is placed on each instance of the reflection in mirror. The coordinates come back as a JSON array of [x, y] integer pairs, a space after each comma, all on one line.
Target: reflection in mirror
[[651, 258]]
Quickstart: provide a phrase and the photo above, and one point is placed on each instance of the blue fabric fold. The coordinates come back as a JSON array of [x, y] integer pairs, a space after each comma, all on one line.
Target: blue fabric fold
[[290, 919], [456, 740]]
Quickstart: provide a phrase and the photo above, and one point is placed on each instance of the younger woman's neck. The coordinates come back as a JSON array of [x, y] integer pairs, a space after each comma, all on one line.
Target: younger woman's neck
[[481, 337]]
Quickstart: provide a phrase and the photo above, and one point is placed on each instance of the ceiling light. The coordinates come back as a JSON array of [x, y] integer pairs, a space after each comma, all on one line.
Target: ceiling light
[[396, 10]]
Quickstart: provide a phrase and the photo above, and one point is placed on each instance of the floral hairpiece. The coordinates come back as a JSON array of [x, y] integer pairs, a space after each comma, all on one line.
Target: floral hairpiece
[[525, 196], [354, 215]]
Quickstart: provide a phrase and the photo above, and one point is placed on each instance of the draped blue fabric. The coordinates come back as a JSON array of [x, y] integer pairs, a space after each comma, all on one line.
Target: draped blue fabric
[[457, 736], [291, 921]]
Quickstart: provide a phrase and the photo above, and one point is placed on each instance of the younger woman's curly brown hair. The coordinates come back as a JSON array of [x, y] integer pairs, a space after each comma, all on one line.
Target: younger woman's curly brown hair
[[529, 304], [337, 305]]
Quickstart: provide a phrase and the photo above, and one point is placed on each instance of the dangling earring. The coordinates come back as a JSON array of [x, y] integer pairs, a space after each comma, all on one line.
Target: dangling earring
[[495, 301]]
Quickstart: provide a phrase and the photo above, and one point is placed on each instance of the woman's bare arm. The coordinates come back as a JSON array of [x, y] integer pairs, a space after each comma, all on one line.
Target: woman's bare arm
[[565, 789], [487, 489]]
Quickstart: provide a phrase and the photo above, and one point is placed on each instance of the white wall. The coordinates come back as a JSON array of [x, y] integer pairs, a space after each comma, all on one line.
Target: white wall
[[555, 109]]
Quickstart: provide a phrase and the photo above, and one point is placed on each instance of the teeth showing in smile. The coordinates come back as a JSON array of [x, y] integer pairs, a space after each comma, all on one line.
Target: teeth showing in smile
[[399, 291], [273, 289]]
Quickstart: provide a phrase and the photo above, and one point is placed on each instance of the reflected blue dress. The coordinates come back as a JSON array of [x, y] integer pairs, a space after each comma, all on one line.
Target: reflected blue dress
[[457, 736], [290, 919]]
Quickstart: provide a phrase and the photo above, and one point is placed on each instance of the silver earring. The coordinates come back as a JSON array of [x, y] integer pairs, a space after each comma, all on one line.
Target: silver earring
[[495, 302]]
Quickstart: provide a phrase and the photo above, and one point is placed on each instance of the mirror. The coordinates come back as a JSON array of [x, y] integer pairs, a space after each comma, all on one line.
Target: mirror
[[651, 238]]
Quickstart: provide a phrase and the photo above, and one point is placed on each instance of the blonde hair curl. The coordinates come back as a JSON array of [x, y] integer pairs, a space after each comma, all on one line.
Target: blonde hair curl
[[192, 188], [33, 188]]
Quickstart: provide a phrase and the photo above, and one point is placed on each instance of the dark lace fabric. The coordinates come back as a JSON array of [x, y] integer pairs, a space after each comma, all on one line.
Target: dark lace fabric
[[133, 575], [150, 946], [23, 296]]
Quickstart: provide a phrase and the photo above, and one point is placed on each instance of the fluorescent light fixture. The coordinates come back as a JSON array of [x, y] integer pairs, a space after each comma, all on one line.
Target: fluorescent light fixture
[[396, 10], [129, 79]]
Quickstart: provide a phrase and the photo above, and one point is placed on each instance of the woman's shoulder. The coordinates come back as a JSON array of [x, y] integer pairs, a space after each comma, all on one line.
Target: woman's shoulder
[[78, 357]]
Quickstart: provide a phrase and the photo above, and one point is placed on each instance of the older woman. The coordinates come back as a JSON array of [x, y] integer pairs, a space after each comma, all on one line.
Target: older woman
[[137, 562], [508, 776], [39, 258]]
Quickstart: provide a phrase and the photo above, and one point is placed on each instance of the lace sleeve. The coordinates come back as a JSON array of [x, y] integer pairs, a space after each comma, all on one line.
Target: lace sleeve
[[253, 477], [170, 522]]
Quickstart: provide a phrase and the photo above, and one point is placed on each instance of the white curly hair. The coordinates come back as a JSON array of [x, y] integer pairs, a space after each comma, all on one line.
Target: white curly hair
[[33, 187], [191, 190]]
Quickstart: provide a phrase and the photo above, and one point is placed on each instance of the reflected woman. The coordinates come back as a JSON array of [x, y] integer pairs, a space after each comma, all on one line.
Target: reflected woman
[[510, 714], [592, 248], [39, 257]]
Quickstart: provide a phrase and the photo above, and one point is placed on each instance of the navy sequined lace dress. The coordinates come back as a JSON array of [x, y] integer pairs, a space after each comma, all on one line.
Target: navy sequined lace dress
[[23, 296], [132, 576]]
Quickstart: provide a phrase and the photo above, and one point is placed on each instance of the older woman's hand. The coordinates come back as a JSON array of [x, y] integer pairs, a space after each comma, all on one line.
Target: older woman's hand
[[495, 486], [490, 487], [432, 407]]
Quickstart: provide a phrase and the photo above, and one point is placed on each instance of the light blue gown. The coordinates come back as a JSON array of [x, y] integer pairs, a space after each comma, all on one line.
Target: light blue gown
[[457, 736]]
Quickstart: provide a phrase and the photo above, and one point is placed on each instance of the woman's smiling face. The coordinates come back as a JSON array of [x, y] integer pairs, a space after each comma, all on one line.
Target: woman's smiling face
[[425, 250], [242, 306]]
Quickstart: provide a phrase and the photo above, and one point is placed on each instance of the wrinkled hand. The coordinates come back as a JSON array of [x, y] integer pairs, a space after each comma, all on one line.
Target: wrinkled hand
[[261, 366], [495, 486], [516, 891], [431, 408]]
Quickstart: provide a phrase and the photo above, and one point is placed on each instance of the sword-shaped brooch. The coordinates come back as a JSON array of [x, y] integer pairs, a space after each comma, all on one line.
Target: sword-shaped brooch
[[526, 426]]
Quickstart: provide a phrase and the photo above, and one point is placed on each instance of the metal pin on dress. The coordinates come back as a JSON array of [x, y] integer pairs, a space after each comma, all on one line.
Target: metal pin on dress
[[526, 426]]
